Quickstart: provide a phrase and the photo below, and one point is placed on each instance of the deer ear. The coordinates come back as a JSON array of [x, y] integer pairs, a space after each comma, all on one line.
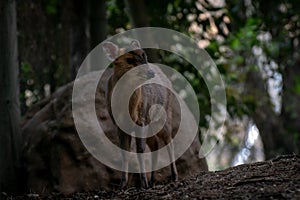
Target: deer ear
[[111, 50], [136, 44]]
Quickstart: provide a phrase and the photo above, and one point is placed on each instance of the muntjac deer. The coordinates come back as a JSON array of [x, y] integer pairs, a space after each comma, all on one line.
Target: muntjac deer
[[139, 108]]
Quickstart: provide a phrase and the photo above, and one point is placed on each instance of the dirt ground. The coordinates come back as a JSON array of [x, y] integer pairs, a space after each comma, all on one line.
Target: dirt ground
[[275, 179]]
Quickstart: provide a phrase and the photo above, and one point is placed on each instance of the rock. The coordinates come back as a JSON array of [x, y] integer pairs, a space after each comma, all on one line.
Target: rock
[[56, 159]]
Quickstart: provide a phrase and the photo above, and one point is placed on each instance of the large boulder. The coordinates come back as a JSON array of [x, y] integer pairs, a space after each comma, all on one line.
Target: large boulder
[[56, 159]]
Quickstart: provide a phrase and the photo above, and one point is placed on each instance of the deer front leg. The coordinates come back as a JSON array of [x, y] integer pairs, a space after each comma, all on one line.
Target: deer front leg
[[153, 145], [140, 147], [125, 141]]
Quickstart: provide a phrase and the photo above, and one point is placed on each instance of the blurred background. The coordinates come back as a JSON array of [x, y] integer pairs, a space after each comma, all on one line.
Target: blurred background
[[254, 43]]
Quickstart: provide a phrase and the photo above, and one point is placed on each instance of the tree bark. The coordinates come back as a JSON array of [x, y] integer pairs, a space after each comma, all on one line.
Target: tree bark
[[79, 35], [274, 135], [98, 22], [98, 28], [280, 134], [10, 137], [137, 12], [290, 115]]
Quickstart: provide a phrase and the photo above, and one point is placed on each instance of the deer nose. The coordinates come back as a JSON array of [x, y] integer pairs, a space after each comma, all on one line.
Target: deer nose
[[143, 61], [150, 74]]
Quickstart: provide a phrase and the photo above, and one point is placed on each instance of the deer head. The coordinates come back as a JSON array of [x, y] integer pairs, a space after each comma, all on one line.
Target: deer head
[[123, 62]]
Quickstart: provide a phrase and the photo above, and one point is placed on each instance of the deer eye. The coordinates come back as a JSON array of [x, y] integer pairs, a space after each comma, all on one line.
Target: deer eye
[[130, 61]]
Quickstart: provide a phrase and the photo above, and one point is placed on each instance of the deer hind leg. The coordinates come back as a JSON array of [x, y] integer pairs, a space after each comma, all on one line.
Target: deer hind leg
[[125, 142], [140, 148], [170, 149], [153, 145], [174, 172]]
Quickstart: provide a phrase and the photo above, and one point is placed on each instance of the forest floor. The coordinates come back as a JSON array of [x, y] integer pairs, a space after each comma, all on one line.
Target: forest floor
[[275, 179]]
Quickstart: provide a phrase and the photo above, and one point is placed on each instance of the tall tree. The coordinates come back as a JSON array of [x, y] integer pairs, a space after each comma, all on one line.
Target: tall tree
[[98, 27], [139, 17], [279, 132], [98, 22], [10, 137], [284, 134], [137, 13], [79, 35]]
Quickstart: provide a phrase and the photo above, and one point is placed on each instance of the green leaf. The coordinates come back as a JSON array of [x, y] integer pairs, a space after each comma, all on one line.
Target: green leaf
[[297, 85]]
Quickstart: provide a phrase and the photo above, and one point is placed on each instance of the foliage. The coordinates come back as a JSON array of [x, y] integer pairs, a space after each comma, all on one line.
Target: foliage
[[241, 36]]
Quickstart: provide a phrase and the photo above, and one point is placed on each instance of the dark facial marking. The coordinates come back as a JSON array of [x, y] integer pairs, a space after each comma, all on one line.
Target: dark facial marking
[[131, 61], [139, 58]]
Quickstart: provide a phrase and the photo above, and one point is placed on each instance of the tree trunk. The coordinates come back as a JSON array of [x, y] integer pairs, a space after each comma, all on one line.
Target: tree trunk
[[274, 135], [98, 28], [280, 134], [137, 12], [79, 35], [10, 141], [290, 115], [98, 22]]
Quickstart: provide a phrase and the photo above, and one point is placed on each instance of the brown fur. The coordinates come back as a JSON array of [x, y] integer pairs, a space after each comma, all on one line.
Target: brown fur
[[139, 106]]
